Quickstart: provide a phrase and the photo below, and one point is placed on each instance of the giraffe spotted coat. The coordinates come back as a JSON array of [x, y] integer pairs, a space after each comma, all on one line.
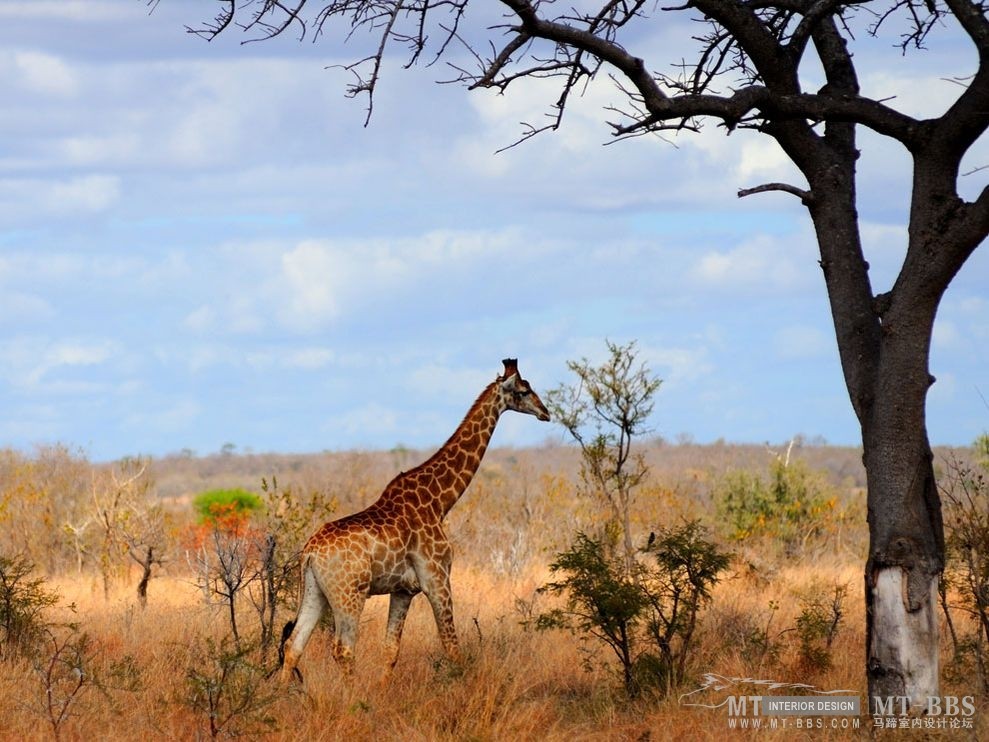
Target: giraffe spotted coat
[[397, 546]]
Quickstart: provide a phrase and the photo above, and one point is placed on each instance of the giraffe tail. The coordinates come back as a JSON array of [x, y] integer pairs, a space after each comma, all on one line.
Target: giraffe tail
[[286, 633]]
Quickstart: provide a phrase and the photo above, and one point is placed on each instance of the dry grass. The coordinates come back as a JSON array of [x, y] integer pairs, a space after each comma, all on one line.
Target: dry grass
[[515, 684]]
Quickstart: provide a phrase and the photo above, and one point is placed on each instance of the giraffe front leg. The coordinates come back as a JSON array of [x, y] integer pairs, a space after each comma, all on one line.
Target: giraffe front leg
[[398, 609]]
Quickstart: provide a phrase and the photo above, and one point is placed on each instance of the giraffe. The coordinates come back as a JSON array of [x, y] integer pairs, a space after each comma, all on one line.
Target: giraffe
[[397, 545]]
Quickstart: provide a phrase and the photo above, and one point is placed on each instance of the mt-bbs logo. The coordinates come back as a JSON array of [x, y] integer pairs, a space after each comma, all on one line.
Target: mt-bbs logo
[[936, 706]]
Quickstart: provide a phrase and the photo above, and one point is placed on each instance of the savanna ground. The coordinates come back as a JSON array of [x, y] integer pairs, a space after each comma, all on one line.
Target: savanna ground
[[788, 609]]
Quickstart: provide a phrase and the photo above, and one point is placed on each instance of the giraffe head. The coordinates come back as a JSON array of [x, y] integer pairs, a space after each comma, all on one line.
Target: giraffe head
[[518, 395]]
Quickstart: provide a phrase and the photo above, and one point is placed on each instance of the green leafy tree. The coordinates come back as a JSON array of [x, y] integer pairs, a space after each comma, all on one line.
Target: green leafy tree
[[215, 506]]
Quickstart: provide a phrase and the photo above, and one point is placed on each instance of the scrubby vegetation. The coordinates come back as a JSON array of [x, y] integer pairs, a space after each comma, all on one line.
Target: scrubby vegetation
[[79, 653]]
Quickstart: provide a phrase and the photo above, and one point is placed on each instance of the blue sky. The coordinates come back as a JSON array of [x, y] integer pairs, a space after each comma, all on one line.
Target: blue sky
[[201, 244]]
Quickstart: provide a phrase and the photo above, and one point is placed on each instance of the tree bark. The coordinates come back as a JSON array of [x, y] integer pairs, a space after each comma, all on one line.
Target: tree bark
[[906, 538], [142, 586], [884, 345]]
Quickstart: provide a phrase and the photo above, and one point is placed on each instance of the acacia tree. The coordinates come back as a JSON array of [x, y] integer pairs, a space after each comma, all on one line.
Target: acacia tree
[[753, 60]]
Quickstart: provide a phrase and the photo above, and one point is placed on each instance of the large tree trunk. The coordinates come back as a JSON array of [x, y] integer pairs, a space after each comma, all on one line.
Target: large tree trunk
[[906, 538], [884, 343]]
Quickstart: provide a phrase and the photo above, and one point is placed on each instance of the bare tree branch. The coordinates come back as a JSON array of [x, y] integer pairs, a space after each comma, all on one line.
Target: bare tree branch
[[805, 196]]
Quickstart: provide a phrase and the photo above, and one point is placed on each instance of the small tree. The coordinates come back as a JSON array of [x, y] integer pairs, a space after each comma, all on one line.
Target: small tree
[[145, 533], [601, 601], [23, 602], [65, 672], [228, 691], [607, 407], [688, 566], [130, 524], [224, 566], [648, 617], [248, 546]]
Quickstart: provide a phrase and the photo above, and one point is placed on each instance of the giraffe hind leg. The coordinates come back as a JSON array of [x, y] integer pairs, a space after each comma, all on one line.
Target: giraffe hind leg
[[346, 618], [296, 633], [398, 609]]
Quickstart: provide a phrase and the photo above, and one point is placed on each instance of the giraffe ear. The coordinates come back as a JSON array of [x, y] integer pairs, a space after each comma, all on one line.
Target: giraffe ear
[[511, 367], [511, 383]]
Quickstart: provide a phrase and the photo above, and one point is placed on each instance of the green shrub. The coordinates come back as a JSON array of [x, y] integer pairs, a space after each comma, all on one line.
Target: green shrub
[[647, 617], [688, 566], [24, 600], [227, 691], [790, 506], [821, 613], [601, 600], [220, 504]]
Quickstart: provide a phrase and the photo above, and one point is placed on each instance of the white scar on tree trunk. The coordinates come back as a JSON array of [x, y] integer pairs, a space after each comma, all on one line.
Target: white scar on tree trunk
[[904, 637]]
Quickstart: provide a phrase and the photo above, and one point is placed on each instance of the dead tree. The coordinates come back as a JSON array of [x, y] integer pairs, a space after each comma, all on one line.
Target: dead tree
[[146, 537], [749, 72]]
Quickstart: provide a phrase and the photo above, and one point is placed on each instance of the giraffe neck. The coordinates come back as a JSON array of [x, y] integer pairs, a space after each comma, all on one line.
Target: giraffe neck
[[435, 486]]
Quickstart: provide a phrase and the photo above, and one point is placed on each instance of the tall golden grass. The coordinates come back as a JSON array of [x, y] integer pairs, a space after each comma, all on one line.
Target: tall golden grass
[[514, 684]]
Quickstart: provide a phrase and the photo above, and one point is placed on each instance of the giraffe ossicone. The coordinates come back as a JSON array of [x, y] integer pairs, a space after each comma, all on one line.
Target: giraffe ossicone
[[397, 545]]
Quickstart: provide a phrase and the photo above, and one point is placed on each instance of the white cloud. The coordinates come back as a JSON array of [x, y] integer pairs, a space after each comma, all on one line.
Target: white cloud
[[201, 319], [321, 280], [33, 198], [676, 365], [311, 358], [366, 423], [975, 306], [920, 95], [75, 10], [45, 73], [19, 307], [946, 334], [34, 365], [441, 380], [314, 275], [102, 149], [69, 354], [763, 158], [761, 263], [86, 193], [178, 415]]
